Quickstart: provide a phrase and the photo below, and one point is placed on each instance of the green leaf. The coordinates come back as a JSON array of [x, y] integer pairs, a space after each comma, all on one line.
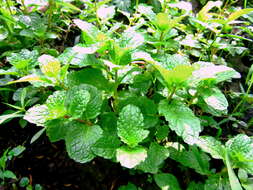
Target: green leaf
[[93, 107], [167, 181], [56, 104], [6, 117], [162, 132], [147, 106], [89, 31], [238, 14], [181, 120], [129, 186], [37, 114], [130, 126], [79, 140], [77, 100], [215, 101], [75, 57], [49, 65], [233, 180], [156, 155], [25, 59], [106, 146], [16, 151], [90, 76], [217, 182], [24, 182], [37, 135], [212, 146], [210, 71], [241, 152], [131, 39], [56, 129], [9, 174], [177, 76], [193, 158], [106, 12], [146, 11], [131, 157]]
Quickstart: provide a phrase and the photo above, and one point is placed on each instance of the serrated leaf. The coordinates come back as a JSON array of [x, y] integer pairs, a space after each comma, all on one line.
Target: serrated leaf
[[215, 100], [89, 31], [195, 159], [210, 71], [177, 76], [79, 140], [131, 39], [37, 114], [56, 104], [130, 126], [131, 157], [240, 150], [212, 146], [49, 65], [106, 146], [181, 120], [167, 181], [90, 76], [147, 106], [56, 129], [156, 155], [74, 56], [77, 100], [24, 59]]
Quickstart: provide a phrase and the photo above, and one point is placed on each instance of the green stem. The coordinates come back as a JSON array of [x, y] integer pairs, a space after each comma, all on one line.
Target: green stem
[[160, 40], [244, 97], [245, 4], [172, 93], [8, 6], [25, 8]]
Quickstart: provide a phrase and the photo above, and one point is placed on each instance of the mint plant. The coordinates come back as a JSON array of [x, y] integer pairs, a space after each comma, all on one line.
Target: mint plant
[[140, 91]]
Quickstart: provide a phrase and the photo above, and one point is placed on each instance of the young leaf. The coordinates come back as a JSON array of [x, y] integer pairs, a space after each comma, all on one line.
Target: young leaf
[[9, 174], [49, 65], [130, 126], [37, 135], [131, 157], [167, 181], [77, 100], [6, 117], [79, 140], [181, 120], [56, 104], [156, 155]]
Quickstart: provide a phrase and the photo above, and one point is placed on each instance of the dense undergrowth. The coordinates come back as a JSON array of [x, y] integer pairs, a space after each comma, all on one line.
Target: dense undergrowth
[[140, 83]]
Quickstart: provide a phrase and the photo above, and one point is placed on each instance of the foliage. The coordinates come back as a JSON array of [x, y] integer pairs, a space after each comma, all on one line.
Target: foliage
[[142, 90]]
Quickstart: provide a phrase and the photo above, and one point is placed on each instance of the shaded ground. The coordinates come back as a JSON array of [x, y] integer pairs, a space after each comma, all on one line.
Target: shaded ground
[[49, 165]]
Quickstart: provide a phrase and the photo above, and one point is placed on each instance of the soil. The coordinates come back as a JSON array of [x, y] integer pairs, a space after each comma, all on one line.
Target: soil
[[49, 165]]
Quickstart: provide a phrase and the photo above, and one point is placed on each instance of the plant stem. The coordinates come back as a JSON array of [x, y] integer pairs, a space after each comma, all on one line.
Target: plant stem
[[245, 4], [243, 98], [25, 8], [160, 40], [172, 93]]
